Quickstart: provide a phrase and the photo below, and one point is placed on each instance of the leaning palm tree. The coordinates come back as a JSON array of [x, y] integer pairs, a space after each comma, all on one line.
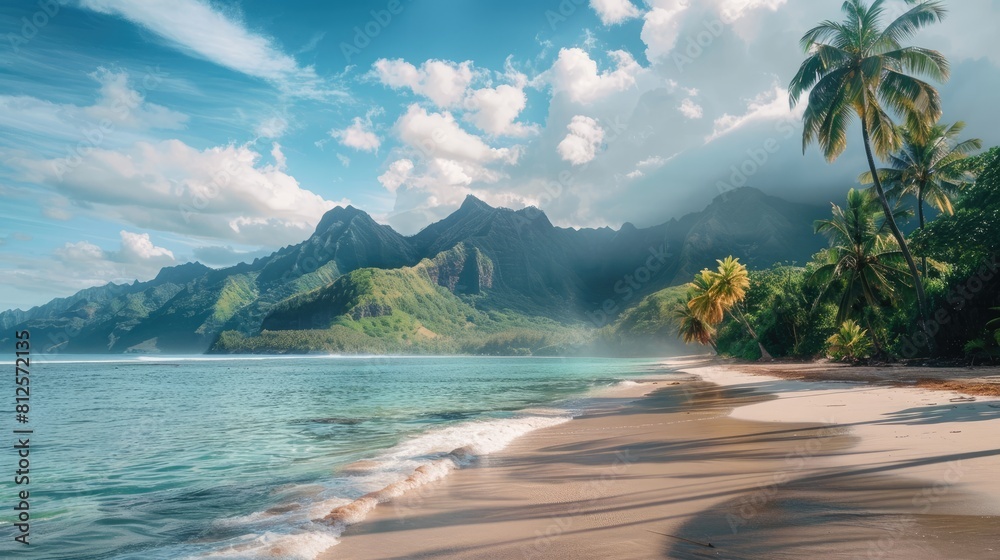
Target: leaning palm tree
[[863, 260], [858, 68], [702, 299], [691, 328], [712, 294], [928, 167]]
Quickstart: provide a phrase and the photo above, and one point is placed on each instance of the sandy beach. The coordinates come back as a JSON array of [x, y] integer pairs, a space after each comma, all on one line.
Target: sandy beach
[[722, 462]]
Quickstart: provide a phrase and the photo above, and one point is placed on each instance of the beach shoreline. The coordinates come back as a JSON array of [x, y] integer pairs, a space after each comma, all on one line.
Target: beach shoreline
[[757, 466]]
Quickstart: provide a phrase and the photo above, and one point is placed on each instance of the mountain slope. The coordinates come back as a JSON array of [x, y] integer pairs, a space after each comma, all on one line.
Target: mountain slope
[[514, 265]]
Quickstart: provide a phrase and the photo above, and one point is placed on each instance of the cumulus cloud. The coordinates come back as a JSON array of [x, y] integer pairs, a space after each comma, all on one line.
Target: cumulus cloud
[[575, 74], [218, 193], [443, 82], [137, 247], [584, 139], [439, 135], [690, 109], [196, 27], [495, 111], [358, 136], [613, 12], [398, 173], [136, 258], [661, 27]]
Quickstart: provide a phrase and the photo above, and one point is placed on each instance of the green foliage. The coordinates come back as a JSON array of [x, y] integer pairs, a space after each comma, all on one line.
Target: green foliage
[[931, 167], [859, 68], [647, 328], [863, 266], [399, 311], [971, 235], [238, 292], [779, 304], [850, 343]]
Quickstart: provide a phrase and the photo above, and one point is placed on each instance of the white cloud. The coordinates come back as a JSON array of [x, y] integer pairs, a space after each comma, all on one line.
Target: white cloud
[[273, 127], [661, 28], [137, 247], [84, 264], [119, 107], [637, 174], [495, 110], [575, 74], [581, 144], [732, 10], [439, 135], [344, 160], [690, 109], [653, 162], [218, 193], [195, 27], [397, 174], [280, 162], [443, 82], [82, 251], [358, 136], [770, 104], [614, 12]]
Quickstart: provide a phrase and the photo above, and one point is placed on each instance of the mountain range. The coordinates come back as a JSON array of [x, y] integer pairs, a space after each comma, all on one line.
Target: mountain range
[[482, 276]]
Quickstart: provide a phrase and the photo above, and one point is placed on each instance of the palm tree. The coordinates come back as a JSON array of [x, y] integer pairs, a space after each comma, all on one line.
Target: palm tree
[[863, 259], [712, 294], [850, 342], [857, 68], [703, 301], [692, 328], [928, 167]]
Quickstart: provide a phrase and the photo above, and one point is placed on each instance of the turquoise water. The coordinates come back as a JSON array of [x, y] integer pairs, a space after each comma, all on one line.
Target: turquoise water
[[164, 458]]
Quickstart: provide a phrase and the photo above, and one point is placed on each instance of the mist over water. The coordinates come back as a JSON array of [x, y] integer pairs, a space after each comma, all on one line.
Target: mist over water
[[165, 458]]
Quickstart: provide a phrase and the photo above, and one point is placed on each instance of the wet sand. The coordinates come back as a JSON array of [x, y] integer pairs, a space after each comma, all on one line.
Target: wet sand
[[756, 467]]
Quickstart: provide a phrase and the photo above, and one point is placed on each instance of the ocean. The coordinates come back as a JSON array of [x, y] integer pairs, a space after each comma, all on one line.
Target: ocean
[[216, 457]]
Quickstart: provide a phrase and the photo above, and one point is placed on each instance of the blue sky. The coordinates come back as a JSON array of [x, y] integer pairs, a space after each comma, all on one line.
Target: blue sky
[[136, 134]]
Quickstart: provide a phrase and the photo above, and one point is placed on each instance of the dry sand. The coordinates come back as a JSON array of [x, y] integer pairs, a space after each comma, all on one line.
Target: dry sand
[[757, 467]]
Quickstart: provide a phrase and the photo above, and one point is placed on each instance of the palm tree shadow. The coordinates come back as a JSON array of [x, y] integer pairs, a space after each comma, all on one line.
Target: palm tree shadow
[[938, 414]]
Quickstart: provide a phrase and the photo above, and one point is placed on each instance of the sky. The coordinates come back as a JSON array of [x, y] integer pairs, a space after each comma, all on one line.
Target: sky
[[138, 134]]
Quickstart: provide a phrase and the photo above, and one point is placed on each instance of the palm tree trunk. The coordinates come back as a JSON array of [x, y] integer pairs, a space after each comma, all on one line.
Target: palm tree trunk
[[917, 281], [878, 347], [920, 212], [765, 356]]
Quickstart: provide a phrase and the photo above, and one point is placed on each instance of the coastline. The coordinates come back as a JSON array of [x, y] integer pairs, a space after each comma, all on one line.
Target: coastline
[[757, 466]]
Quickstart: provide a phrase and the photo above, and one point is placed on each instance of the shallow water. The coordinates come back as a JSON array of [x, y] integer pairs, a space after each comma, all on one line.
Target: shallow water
[[164, 458]]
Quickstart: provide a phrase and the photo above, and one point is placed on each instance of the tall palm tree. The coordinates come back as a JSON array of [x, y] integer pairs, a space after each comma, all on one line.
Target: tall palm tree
[[929, 168], [863, 259], [858, 68]]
